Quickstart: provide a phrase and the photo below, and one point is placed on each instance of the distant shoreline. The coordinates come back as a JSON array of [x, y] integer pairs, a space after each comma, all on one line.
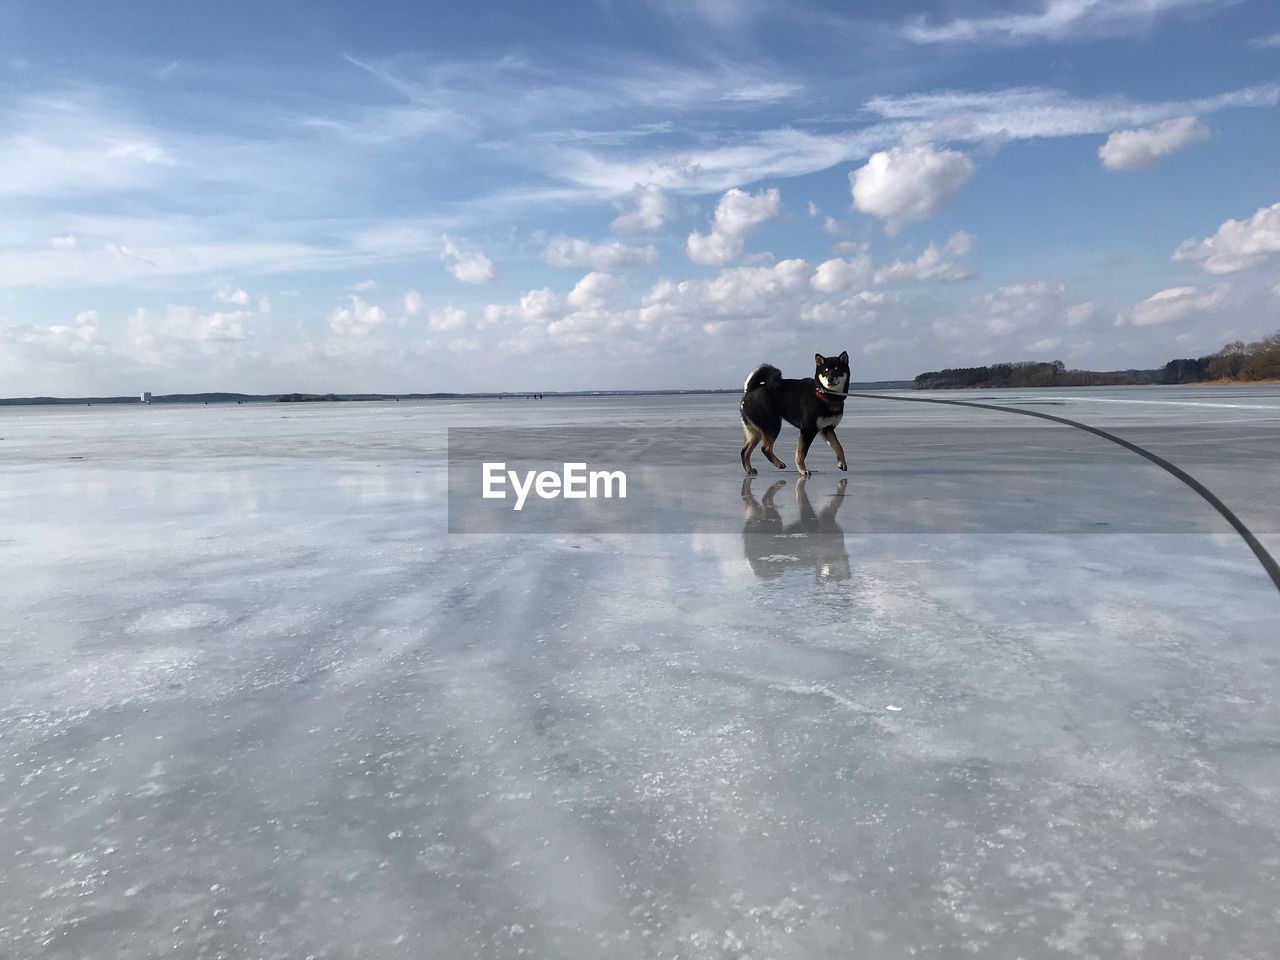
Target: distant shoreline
[[243, 398], [232, 398]]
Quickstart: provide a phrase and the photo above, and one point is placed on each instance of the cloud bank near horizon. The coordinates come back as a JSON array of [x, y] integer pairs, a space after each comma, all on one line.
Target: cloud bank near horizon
[[616, 217]]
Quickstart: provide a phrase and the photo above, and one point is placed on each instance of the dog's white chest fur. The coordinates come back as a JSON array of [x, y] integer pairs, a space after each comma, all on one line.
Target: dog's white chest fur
[[832, 421]]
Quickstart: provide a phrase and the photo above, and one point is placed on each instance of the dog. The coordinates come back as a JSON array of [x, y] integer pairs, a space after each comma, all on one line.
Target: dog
[[813, 405]]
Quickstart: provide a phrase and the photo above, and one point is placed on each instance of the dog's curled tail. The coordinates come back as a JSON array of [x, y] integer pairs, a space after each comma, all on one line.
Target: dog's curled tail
[[765, 373]]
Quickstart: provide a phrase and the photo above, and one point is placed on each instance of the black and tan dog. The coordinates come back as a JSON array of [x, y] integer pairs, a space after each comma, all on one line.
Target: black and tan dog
[[813, 405]]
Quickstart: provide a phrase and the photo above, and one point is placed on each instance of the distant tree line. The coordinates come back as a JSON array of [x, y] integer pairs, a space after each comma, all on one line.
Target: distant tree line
[[1237, 361], [1029, 373]]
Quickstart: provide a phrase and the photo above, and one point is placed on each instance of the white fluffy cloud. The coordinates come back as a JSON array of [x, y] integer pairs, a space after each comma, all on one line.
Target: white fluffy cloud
[[535, 306], [182, 334], [439, 319], [469, 266], [1020, 305], [565, 251], [959, 244], [1042, 345], [740, 286], [1176, 303], [1080, 314], [176, 336], [840, 275], [737, 214], [593, 291], [232, 295], [157, 340], [856, 273], [857, 309], [446, 319], [734, 295], [587, 326], [357, 319], [59, 343], [413, 303], [1131, 149], [1237, 245], [65, 242], [1035, 309], [932, 264], [908, 182], [652, 209], [187, 323]]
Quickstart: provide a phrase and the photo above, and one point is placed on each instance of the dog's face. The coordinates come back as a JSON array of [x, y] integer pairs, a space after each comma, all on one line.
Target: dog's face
[[833, 372]]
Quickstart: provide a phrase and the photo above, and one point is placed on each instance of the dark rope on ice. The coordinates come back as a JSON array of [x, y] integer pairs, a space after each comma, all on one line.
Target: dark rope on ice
[[1268, 562]]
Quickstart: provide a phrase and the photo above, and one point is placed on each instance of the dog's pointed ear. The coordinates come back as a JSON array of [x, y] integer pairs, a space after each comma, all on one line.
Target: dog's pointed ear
[[844, 357], [819, 359]]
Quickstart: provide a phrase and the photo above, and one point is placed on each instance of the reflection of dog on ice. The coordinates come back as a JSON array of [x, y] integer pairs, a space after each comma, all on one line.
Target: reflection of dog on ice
[[815, 540]]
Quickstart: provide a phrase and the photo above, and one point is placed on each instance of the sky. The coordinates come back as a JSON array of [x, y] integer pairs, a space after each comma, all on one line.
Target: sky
[[416, 197]]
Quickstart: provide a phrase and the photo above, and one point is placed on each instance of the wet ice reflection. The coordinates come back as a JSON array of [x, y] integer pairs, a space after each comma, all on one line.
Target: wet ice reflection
[[262, 706], [813, 539]]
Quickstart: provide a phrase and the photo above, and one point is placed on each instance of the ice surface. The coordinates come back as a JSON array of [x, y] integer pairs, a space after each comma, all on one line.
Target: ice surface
[[255, 702]]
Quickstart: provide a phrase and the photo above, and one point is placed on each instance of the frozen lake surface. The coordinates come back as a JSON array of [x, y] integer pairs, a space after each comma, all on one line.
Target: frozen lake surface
[[1005, 690]]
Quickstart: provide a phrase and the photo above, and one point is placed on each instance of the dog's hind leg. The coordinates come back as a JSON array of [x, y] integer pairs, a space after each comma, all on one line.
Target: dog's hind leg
[[766, 447], [766, 423], [829, 435], [802, 448], [753, 437]]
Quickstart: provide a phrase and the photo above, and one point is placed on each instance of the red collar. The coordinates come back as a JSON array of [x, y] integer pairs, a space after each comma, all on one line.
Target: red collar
[[829, 401]]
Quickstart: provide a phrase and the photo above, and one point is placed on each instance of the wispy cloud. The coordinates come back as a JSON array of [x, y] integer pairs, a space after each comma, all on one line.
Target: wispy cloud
[[1021, 113], [1018, 113], [724, 15], [754, 156], [59, 146], [393, 123], [1053, 20], [515, 93], [113, 264]]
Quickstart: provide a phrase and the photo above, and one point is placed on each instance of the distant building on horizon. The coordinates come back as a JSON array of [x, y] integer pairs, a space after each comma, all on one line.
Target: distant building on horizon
[[146, 396]]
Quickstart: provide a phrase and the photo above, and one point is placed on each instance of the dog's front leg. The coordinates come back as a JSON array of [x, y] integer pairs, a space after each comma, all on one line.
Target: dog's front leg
[[802, 447], [829, 435]]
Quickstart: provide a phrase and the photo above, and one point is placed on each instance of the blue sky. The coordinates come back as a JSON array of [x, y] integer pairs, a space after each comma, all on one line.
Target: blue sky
[[316, 196]]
